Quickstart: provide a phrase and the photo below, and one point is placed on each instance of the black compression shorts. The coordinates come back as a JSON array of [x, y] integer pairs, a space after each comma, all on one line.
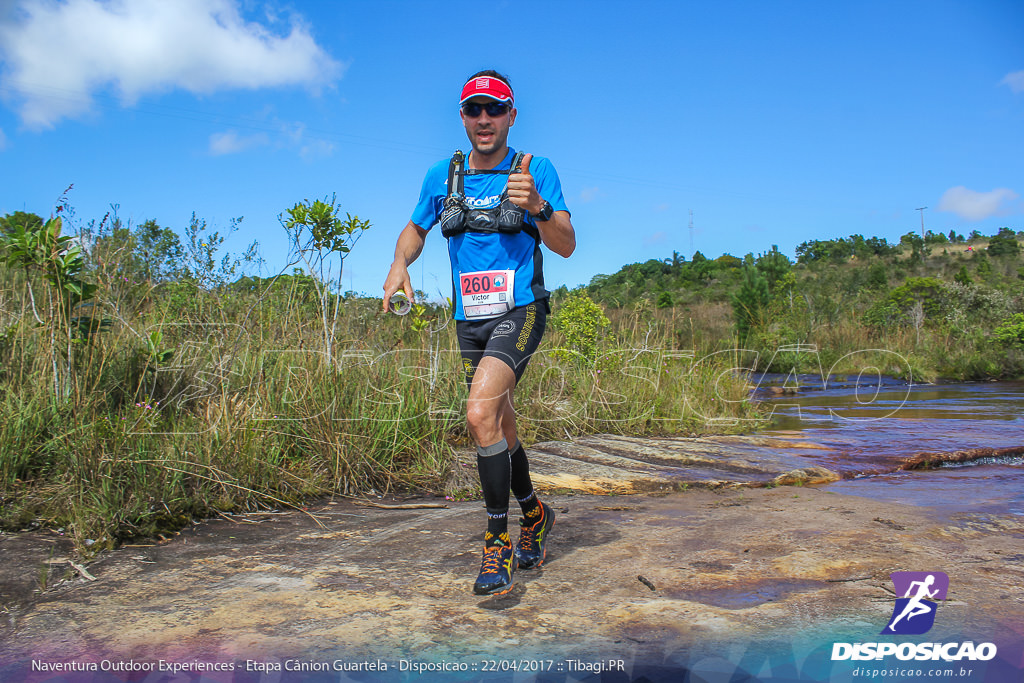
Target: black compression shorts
[[511, 338]]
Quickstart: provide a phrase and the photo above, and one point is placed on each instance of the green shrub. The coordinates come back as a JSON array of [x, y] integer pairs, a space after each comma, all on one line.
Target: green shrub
[[750, 303], [962, 276], [899, 306], [1004, 243], [582, 322], [877, 276], [1010, 332]]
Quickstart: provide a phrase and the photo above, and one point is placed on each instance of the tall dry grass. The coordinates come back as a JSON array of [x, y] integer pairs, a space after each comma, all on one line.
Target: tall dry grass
[[195, 401]]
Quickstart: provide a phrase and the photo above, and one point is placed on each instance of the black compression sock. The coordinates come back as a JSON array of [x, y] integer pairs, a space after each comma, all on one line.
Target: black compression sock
[[495, 469], [522, 486], [497, 526]]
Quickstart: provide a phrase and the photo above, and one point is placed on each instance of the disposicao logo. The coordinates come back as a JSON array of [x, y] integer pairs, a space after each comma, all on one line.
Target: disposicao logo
[[914, 614]]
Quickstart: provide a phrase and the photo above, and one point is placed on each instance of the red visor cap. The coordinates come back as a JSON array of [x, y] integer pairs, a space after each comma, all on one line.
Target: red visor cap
[[495, 88]]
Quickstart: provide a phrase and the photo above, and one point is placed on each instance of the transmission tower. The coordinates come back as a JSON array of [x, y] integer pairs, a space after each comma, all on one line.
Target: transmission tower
[[691, 233]]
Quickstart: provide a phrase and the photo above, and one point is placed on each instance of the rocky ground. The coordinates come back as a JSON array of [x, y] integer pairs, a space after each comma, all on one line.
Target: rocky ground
[[677, 576]]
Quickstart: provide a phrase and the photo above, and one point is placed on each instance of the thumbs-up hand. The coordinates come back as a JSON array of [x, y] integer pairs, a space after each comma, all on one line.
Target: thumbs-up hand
[[521, 189], [524, 164]]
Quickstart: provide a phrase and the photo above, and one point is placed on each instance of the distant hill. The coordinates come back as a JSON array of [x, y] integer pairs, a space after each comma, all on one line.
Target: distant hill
[[918, 296]]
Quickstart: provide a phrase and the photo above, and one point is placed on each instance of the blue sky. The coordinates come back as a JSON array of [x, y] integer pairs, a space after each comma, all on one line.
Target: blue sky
[[774, 122]]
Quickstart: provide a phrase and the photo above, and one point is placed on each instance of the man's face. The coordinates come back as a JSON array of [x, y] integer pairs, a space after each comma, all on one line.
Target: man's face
[[488, 134]]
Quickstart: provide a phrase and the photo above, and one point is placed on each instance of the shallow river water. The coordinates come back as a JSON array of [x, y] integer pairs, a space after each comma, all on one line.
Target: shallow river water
[[872, 429]]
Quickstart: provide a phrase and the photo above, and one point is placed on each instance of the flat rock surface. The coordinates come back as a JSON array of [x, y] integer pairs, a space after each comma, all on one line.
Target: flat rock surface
[[619, 464], [671, 578]]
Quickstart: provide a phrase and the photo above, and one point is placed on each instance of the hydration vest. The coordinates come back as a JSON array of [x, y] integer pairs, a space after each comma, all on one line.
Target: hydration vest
[[458, 218]]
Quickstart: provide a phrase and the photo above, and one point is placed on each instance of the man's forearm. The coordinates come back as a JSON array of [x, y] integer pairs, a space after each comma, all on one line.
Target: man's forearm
[[408, 248], [558, 234], [410, 244]]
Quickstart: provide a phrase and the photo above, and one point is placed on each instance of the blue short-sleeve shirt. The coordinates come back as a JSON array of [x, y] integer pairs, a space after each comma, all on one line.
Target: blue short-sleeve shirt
[[474, 252]]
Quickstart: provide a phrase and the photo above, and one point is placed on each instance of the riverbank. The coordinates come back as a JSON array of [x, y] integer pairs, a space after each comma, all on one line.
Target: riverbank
[[705, 578], [712, 564]]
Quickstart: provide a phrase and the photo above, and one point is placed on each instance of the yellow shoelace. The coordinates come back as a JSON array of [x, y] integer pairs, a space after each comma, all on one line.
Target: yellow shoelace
[[529, 534]]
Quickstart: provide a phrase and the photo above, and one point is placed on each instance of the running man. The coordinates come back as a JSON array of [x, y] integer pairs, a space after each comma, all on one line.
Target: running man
[[495, 207], [916, 607]]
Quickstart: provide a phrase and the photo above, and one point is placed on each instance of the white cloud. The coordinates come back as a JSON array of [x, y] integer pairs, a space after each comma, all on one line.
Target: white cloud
[[975, 206], [3, 140], [589, 194], [58, 54], [1015, 81], [231, 142]]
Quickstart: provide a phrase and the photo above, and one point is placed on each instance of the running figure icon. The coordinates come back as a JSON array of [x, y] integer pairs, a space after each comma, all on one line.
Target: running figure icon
[[919, 590], [916, 606]]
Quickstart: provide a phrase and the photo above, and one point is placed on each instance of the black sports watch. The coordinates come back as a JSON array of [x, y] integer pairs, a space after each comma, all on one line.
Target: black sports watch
[[545, 213]]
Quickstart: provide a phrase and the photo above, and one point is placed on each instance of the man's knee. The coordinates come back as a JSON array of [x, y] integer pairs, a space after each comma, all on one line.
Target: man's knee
[[483, 415]]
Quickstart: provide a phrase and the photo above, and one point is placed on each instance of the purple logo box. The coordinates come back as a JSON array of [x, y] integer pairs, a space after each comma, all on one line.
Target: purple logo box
[[938, 584]]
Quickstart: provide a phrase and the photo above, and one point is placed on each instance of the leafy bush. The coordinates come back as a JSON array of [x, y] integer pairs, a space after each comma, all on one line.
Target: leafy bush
[[1010, 332], [750, 304], [1004, 243], [582, 322], [877, 276], [918, 296], [977, 305]]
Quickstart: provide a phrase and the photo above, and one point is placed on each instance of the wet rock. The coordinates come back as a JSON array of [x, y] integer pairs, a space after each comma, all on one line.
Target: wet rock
[[618, 464], [728, 566], [806, 476]]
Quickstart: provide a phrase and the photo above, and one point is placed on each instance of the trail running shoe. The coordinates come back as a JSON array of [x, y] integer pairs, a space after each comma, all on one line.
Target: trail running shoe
[[533, 536], [496, 570]]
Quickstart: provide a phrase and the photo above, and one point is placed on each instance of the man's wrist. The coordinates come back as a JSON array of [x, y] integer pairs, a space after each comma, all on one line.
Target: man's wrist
[[543, 212]]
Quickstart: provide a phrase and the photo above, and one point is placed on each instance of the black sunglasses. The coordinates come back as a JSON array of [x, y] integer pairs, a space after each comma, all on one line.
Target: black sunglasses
[[473, 109]]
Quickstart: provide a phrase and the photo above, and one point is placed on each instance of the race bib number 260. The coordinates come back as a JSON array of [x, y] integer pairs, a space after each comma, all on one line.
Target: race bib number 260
[[487, 293]]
